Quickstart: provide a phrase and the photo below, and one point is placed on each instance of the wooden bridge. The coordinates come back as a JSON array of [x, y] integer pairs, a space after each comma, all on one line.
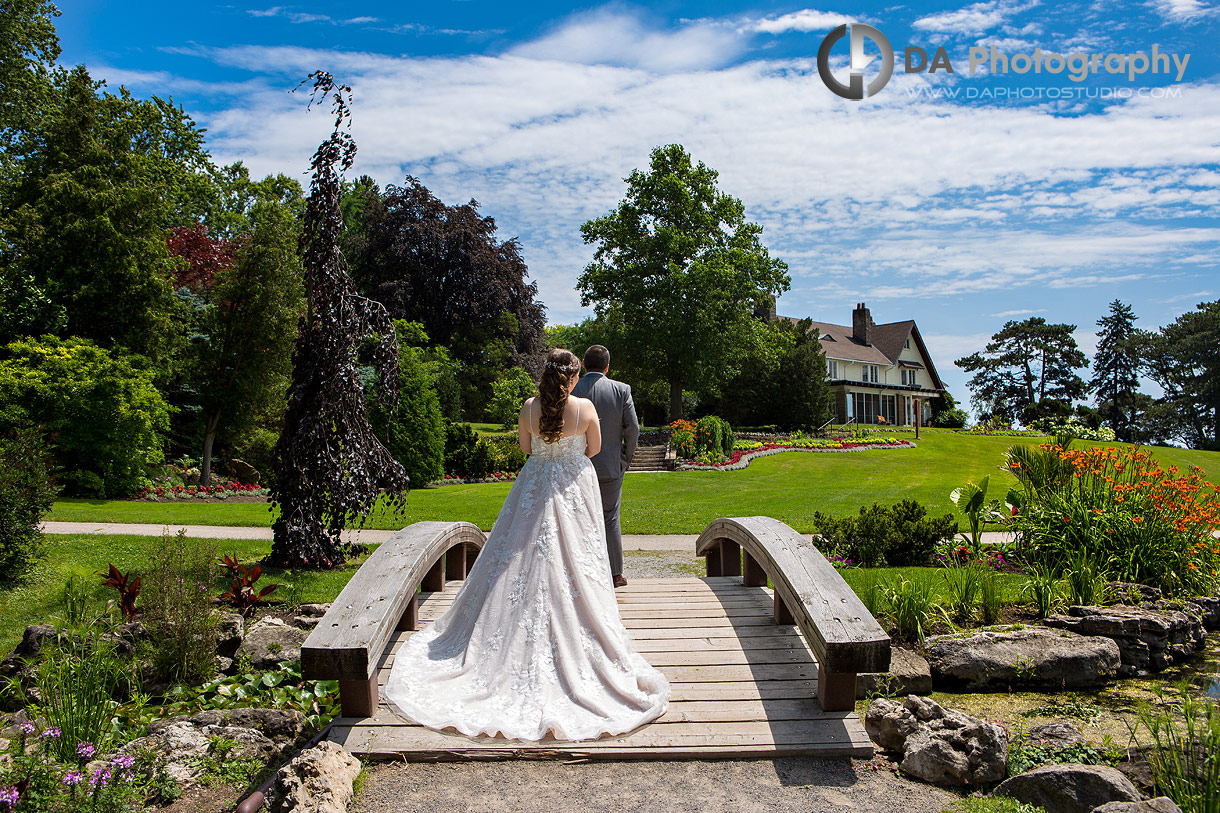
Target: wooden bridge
[[754, 671]]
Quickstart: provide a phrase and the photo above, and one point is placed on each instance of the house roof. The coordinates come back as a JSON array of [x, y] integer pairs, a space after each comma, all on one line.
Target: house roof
[[888, 343]]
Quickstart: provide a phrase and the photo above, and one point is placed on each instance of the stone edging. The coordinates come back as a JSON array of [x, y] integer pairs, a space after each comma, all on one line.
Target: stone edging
[[745, 459]]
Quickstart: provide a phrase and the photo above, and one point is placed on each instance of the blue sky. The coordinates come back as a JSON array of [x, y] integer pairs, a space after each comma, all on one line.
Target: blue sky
[[959, 200]]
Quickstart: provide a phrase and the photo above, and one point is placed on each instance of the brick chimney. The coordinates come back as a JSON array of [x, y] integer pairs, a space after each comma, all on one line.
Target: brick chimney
[[862, 324]]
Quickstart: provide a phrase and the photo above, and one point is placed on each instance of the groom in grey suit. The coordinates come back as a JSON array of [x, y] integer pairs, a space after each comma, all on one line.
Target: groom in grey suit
[[620, 431]]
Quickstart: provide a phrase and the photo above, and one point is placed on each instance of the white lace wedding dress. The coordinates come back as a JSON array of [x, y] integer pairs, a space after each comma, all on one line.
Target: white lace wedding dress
[[533, 645]]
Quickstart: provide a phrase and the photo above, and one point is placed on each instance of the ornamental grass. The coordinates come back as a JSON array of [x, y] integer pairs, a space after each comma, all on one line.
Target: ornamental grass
[[1116, 506]]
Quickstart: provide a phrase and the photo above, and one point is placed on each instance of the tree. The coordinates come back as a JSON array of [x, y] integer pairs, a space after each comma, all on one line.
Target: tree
[[100, 409], [415, 432], [508, 393], [1183, 358], [26, 494], [242, 358], [28, 50], [788, 389], [104, 179], [330, 465], [1024, 364], [1116, 366], [444, 267], [685, 270]]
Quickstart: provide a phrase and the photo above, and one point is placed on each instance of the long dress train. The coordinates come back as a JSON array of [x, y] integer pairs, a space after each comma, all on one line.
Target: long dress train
[[533, 644]]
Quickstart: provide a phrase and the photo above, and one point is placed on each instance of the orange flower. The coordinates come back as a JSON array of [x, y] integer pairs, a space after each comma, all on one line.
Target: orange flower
[[1137, 520]]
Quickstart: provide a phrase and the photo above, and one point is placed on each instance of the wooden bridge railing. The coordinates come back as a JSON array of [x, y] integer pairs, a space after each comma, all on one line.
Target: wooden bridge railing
[[381, 598], [844, 636]]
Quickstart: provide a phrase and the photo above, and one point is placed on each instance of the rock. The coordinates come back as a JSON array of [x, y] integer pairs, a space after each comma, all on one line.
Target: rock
[[1131, 593], [1149, 637], [1161, 804], [313, 610], [1059, 734], [318, 781], [305, 622], [1210, 605], [243, 472], [35, 637], [909, 674], [270, 641], [1070, 788], [1029, 658], [183, 742], [229, 634], [939, 745]]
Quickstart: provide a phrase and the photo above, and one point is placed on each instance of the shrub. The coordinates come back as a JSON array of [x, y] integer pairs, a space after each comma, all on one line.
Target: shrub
[[26, 494], [106, 416], [901, 535], [950, 419], [713, 435], [466, 454], [506, 454], [178, 608], [508, 393], [1074, 427], [1129, 518], [257, 447], [415, 432]]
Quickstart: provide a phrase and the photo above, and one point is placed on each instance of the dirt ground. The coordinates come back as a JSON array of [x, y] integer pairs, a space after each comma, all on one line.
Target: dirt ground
[[791, 785]]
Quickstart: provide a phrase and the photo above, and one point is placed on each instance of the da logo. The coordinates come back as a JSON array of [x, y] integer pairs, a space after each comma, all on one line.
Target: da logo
[[855, 88]]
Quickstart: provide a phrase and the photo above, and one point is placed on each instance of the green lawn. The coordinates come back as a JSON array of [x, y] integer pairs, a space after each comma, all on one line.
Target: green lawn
[[37, 599], [789, 487]]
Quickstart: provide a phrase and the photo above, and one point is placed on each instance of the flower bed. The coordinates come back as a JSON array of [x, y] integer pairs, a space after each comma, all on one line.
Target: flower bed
[[219, 491], [494, 477], [744, 452]]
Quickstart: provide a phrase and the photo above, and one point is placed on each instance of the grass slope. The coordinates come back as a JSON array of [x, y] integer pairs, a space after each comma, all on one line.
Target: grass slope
[[789, 487]]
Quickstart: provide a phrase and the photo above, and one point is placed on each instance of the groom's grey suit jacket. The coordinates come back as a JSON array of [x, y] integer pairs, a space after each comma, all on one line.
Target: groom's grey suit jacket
[[619, 425]]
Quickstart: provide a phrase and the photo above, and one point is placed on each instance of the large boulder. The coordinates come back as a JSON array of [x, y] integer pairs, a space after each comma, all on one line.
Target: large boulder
[[318, 781], [1149, 637], [1161, 804], [939, 745], [1210, 605], [243, 472], [1059, 734], [909, 674], [1070, 788], [1027, 658], [269, 642]]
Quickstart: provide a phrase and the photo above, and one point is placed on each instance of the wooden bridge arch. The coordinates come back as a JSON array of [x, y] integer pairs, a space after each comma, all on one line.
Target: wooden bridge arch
[[745, 665]]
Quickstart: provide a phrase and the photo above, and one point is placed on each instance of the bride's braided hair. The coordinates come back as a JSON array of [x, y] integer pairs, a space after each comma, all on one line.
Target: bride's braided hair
[[560, 368]]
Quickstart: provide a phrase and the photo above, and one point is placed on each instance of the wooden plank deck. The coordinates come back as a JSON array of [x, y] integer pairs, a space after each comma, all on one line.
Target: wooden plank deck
[[741, 687]]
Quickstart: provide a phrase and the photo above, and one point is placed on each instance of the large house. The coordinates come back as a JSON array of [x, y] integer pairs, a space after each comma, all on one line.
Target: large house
[[878, 373]]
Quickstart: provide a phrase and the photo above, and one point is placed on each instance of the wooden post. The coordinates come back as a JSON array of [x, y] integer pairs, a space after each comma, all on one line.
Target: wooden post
[[730, 558], [455, 563], [783, 616], [434, 579], [712, 558], [410, 616], [755, 575], [836, 690], [917, 417], [358, 698]]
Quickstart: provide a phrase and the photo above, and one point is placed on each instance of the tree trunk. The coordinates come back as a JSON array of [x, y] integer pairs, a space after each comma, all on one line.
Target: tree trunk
[[209, 437], [675, 400]]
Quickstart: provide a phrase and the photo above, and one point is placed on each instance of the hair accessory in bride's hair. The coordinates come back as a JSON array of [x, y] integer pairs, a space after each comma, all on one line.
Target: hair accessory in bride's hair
[[567, 369]]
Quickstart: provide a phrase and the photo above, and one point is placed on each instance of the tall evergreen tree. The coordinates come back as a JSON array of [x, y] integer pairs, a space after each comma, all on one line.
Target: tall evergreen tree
[[331, 467], [1116, 367], [1025, 363], [1184, 360]]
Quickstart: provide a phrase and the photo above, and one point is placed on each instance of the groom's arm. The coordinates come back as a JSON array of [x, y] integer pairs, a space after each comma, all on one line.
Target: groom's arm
[[631, 429]]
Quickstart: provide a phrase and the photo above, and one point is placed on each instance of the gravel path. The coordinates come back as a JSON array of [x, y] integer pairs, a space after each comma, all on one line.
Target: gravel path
[[754, 786]]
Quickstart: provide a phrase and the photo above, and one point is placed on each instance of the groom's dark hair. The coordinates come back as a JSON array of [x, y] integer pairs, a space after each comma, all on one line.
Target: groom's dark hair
[[597, 359]]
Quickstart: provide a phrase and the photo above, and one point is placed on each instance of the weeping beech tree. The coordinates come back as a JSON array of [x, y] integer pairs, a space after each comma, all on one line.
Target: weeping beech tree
[[330, 467]]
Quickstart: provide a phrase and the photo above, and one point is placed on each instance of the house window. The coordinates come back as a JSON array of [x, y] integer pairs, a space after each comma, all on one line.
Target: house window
[[872, 408], [832, 369], [868, 372], [907, 344], [909, 378]]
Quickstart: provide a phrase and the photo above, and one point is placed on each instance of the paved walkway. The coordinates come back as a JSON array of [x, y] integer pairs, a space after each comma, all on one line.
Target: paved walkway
[[678, 542]]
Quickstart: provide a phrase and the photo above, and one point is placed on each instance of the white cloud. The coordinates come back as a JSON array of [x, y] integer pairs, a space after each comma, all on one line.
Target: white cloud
[[612, 37], [1019, 312], [805, 20], [306, 17], [1182, 11], [975, 19]]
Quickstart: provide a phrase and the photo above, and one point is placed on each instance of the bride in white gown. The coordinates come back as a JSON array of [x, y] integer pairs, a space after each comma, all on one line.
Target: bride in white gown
[[533, 645]]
